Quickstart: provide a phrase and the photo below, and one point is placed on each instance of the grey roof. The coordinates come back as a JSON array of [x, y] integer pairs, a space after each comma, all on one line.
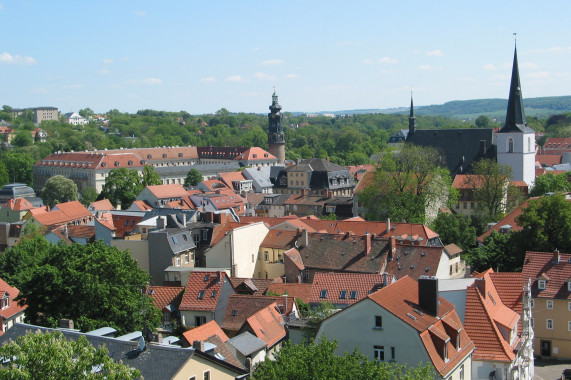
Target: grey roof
[[321, 173], [260, 177], [171, 358], [460, 148], [179, 239], [15, 190], [515, 115], [399, 136], [103, 331], [247, 343]]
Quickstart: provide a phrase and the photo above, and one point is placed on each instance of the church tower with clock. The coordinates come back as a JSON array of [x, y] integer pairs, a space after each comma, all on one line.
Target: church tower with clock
[[276, 136]]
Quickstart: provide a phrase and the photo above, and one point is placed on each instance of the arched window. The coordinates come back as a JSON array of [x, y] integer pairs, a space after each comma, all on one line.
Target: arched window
[[510, 145], [529, 144]]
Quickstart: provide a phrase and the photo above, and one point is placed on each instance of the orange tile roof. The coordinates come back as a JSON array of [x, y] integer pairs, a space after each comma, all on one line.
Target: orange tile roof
[[219, 231], [508, 219], [267, 324], [142, 205], [167, 191], [559, 273], [39, 210], [548, 159], [214, 184], [242, 306], [182, 204], [106, 219], [365, 181], [102, 205], [63, 213], [339, 287], [13, 307], [467, 181], [279, 239], [209, 289], [295, 257], [256, 286], [205, 331], [165, 295], [18, 204], [402, 300], [125, 224], [299, 291], [485, 312], [256, 153], [228, 177]]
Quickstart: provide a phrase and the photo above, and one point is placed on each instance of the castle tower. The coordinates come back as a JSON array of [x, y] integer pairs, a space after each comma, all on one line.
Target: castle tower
[[516, 140], [276, 136]]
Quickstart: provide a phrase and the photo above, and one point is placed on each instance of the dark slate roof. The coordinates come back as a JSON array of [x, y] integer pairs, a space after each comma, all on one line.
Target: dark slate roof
[[515, 116], [322, 174], [345, 253], [460, 148], [172, 358], [400, 136]]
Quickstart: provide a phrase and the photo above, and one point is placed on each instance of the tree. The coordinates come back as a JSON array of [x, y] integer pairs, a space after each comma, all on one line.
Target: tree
[[121, 187], [551, 183], [495, 253], [59, 189], [50, 355], [150, 176], [86, 112], [88, 195], [318, 361], [22, 138], [193, 178], [490, 186], [20, 167], [93, 284], [455, 229], [483, 121], [406, 184]]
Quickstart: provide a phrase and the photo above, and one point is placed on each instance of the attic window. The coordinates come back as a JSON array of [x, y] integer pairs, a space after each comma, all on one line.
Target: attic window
[[353, 295], [180, 154], [174, 240], [5, 301], [201, 294], [117, 163], [206, 276], [323, 294], [149, 156], [164, 155], [213, 295], [103, 164], [234, 312], [541, 284], [343, 294], [130, 163]]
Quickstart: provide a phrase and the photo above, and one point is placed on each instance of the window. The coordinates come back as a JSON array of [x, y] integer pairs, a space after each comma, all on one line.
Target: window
[[174, 239], [379, 353], [266, 256], [568, 325], [393, 353], [549, 304], [184, 237], [201, 294], [323, 294], [199, 321], [541, 284], [305, 274], [206, 276], [5, 302], [549, 324], [462, 372], [186, 258], [465, 205], [343, 294], [532, 303], [532, 323], [205, 235], [353, 294], [213, 295], [192, 378], [569, 286], [378, 321], [569, 306], [206, 375], [510, 145]]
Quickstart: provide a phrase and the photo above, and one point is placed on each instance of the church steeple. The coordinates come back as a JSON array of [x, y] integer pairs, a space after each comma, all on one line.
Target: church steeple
[[515, 116], [276, 136], [411, 118]]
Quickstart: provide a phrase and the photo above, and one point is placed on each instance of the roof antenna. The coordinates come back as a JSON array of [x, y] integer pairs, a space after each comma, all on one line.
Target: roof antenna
[[515, 38]]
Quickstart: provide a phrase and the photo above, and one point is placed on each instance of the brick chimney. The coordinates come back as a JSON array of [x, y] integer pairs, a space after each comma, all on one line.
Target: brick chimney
[[392, 247], [556, 256], [388, 225], [481, 285], [368, 243]]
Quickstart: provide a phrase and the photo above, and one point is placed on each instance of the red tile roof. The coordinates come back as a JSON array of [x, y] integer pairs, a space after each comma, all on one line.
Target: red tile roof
[[267, 324], [165, 295], [167, 191], [228, 177], [558, 272], [509, 219], [240, 307], [18, 204], [548, 159], [345, 288], [295, 257], [102, 205], [256, 286], [142, 205], [485, 313], [214, 184], [467, 181], [279, 239], [125, 224], [205, 331], [209, 290], [402, 300], [299, 291], [63, 213], [13, 306]]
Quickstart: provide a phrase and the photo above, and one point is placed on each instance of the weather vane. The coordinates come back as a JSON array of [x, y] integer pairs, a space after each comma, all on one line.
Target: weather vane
[[515, 36]]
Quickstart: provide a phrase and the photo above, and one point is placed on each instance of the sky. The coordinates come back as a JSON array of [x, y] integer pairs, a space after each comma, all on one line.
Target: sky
[[201, 56]]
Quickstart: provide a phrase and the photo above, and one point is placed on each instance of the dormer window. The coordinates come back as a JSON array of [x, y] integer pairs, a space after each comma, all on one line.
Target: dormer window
[[541, 284], [323, 294], [5, 301]]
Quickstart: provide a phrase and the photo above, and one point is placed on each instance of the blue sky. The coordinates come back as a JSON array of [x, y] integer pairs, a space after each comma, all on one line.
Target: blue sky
[[200, 56]]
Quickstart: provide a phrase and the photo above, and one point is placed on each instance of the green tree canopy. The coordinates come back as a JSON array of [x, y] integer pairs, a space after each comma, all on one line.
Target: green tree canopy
[[150, 176], [455, 229], [88, 195], [51, 356], [19, 166], [122, 187], [193, 178], [483, 121], [405, 184], [317, 361], [23, 138], [93, 284], [496, 253], [59, 189], [551, 183], [490, 187]]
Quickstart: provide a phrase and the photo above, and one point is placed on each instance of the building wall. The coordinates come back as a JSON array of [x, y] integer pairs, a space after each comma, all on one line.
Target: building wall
[[482, 370], [197, 366], [560, 334], [139, 250], [521, 159], [187, 317], [272, 267], [245, 246]]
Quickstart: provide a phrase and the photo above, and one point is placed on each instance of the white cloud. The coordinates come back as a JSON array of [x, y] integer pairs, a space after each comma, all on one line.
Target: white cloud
[[539, 75], [502, 76], [489, 67], [388, 60], [140, 13], [272, 62], [71, 86], [436, 53], [152, 81], [367, 61], [386, 72], [291, 76], [236, 78], [209, 80], [16, 59], [107, 61], [264, 76], [1, 7]]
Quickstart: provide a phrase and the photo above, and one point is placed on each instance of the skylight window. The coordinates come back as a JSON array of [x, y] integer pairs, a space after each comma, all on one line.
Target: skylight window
[[353, 294], [323, 294], [343, 294]]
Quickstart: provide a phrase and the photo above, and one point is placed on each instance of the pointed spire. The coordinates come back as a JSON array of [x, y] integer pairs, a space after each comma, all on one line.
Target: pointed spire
[[411, 118], [515, 116]]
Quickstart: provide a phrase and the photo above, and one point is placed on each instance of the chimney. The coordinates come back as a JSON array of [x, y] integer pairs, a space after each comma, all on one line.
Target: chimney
[[556, 256], [248, 364], [481, 285], [198, 345], [304, 238], [392, 247], [160, 223], [184, 218], [385, 279], [65, 323], [368, 243], [285, 304], [428, 294], [388, 225]]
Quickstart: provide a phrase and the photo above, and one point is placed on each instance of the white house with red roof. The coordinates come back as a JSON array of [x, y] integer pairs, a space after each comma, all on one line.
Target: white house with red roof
[[405, 323], [10, 311], [14, 210], [159, 196]]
